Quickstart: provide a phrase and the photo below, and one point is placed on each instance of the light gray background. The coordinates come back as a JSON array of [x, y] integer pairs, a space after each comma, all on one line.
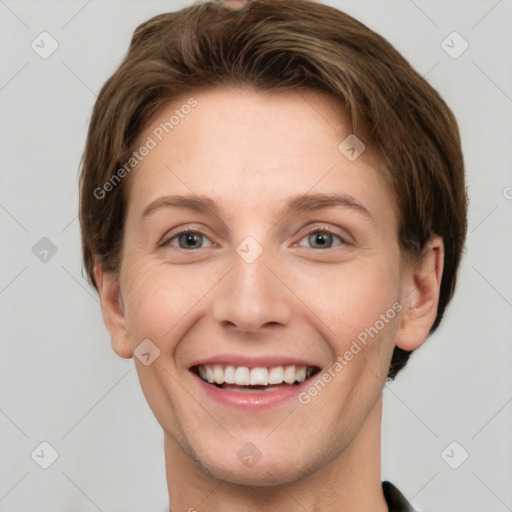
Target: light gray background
[[61, 382]]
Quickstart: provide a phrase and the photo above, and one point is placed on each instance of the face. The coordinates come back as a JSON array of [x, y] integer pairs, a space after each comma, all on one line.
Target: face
[[256, 256]]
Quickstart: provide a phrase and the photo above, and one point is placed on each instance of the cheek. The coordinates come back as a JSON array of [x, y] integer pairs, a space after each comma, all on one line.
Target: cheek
[[159, 297], [146, 299], [348, 298]]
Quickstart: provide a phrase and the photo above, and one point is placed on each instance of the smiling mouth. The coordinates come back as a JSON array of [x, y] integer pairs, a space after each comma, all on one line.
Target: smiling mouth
[[252, 380]]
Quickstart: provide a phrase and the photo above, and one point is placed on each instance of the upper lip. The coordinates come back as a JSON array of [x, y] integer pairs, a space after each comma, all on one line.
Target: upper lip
[[254, 361]]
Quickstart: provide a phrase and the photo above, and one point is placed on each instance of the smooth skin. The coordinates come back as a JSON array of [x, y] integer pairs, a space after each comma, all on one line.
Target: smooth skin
[[306, 295]]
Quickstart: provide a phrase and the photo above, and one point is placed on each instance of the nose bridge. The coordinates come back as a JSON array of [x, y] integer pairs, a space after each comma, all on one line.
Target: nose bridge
[[252, 297]]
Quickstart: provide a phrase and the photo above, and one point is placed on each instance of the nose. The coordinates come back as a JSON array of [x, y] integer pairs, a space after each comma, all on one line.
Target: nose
[[252, 295]]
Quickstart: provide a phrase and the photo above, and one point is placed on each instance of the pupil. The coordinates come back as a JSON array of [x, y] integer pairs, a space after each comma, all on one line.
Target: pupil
[[190, 240], [321, 238]]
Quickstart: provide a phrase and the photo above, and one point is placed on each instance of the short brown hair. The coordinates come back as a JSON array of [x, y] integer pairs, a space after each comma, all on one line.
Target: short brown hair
[[291, 45]]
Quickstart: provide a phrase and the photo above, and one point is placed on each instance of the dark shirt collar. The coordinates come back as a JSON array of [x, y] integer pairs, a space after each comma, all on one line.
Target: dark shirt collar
[[395, 499]]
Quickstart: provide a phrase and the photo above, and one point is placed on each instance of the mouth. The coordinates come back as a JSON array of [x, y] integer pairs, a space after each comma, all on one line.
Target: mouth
[[259, 379]]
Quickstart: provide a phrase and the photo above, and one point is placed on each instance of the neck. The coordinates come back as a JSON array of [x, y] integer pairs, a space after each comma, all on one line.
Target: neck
[[350, 482]]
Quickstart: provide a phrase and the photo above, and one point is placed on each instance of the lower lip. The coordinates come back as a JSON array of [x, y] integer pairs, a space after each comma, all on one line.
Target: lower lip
[[253, 400]]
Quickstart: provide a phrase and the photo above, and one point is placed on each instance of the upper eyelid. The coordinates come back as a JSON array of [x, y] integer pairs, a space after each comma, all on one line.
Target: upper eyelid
[[325, 229]]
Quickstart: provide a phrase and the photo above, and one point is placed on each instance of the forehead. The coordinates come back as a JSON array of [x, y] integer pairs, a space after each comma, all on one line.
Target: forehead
[[253, 149]]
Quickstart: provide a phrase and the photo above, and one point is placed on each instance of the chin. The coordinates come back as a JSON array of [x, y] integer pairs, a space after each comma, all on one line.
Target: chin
[[243, 463]]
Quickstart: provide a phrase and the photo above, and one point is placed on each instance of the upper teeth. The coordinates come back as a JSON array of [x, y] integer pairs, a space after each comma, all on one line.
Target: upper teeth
[[244, 376]]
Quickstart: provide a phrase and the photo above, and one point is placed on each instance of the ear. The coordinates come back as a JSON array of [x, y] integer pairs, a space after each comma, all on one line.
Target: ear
[[112, 309], [420, 296]]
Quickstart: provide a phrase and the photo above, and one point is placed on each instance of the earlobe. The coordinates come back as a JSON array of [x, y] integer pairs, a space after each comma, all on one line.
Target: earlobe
[[121, 344], [112, 309], [421, 287]]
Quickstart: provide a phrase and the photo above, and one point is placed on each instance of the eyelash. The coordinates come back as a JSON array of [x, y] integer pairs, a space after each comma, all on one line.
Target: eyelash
[[316, 229]]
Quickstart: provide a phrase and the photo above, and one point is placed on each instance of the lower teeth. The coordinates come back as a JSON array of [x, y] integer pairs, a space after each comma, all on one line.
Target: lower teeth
[[252, 390], [249, 389]]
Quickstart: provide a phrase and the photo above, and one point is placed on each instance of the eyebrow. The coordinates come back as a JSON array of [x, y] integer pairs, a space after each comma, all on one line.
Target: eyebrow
[[295, 204]]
